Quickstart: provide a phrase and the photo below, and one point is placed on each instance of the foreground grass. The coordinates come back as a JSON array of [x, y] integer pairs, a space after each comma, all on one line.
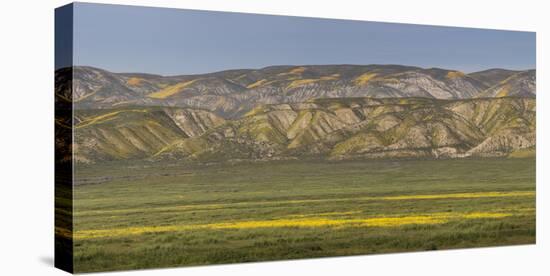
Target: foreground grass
[[144, 216]]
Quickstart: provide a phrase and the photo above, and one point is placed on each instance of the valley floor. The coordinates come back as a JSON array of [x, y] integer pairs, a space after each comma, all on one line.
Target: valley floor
[[134, 215]]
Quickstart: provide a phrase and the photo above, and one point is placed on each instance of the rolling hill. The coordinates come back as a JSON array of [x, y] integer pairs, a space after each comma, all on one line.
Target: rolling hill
[[521, 84], [320, 128], [491, 77], [287, 112], [233, 93]]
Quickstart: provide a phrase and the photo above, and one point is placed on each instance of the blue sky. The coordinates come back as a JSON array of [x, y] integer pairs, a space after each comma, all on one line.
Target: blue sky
[[175, 41]]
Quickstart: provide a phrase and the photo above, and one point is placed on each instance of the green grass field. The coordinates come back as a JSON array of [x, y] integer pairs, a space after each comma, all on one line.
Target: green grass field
[[140, 215]]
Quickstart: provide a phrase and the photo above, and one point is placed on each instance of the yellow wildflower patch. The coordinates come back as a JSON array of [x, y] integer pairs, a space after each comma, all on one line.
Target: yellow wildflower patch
[[326, 222], [134, 81], [171, 90], [328, 214], [504, 91], [297, 83], [297, 70], [364, 78], [391, 221], [485, 215], [455, 74], [256, 84], [105, 117], [293, 71]]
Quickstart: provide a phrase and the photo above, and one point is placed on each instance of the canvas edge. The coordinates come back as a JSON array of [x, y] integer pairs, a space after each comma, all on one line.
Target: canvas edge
[[63, 125]]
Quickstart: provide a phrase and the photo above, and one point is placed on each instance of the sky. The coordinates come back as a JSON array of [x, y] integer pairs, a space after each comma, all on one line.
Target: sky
[[175, 41]]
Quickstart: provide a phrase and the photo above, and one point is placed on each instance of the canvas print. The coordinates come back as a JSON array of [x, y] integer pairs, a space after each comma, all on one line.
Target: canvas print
[[189, 137]]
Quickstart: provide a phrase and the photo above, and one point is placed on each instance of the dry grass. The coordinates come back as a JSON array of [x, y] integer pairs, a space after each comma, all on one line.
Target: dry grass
[[134, 81], [455, 74]]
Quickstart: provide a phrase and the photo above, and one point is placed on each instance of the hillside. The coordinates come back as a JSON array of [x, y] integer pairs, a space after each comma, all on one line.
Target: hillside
[[135, 133], [232, 93], [492, 77], [320, 128], [521, 84]]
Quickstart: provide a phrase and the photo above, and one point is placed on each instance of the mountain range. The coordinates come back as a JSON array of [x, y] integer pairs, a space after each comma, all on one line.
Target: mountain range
[[232, 93], [285, 112]]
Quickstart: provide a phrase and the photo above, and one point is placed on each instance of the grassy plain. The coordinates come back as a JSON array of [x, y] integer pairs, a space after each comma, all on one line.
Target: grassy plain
[[143, 215]]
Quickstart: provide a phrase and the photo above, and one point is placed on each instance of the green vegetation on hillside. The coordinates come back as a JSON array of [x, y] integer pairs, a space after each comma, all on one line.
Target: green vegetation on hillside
[[350, 128]]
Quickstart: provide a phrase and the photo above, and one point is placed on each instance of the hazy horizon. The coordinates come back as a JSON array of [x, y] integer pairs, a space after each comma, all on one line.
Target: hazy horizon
[[297, 65], [167, 41]]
